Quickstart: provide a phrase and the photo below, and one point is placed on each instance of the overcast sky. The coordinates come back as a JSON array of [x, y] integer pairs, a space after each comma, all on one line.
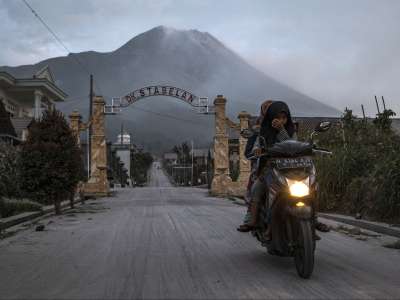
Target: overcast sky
[[341, 52]]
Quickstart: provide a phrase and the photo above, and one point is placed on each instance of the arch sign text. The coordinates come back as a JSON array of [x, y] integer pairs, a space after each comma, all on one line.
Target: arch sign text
[[159, 90]]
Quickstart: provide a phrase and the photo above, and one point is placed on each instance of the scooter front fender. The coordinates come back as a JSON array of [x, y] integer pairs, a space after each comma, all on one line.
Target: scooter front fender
[[301, 212]]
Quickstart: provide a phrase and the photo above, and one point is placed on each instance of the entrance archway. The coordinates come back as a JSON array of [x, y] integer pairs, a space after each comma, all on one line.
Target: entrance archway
[[222, 184]]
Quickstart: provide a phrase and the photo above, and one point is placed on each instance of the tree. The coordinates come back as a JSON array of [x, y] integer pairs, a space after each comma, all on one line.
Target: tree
[[141, 162], [9, 181], [51, 163]]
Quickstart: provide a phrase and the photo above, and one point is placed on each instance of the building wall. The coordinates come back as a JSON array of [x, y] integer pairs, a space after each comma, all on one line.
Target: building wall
[[125, 157]]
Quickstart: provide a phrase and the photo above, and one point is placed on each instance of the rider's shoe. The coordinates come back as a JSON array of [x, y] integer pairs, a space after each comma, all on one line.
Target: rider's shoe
[[268, 234], [245, 228], [322, 227]]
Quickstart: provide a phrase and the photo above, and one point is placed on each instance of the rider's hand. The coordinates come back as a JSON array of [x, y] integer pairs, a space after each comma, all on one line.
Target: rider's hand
[[277, 124], [257, 151]]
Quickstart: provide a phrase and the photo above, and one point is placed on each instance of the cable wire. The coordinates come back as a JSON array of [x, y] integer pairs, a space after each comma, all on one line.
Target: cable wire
[[86, 69], [58, 39], [168, 116]]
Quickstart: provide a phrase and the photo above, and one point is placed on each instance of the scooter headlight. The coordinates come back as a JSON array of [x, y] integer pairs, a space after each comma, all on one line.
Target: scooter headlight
[[299, 188]]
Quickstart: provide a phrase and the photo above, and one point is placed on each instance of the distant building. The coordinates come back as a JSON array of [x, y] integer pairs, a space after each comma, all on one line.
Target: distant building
[[26, 98], [124, 149], [171, 158], [201, 156]]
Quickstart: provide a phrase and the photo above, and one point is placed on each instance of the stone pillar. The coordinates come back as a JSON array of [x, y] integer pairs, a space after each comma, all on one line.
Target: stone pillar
[[75, 124], [38, 105], [244, 163], [97, 184], [221, 182]]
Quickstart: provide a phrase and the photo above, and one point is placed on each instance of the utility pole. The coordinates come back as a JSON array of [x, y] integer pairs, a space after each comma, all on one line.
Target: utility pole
[[377, 105], [89, 130], [122, 131], [192, 162], [384, 105], [363, 111], [184, 167]]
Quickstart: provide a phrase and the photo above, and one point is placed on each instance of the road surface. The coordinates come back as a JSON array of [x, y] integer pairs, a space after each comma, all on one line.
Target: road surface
[[166, 242]]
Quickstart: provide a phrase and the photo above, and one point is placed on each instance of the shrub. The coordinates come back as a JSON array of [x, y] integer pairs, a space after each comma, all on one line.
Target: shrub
[[13, 207], [141, 162], [363, 175], [50, 163]]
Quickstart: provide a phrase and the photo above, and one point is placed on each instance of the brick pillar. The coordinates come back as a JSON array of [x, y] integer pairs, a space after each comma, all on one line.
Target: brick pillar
[[244, 163], [97, 184], [221, 182], [75, 124]]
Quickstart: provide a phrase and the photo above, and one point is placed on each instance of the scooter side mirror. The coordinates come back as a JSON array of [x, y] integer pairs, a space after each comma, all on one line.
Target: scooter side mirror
[[323, 126]]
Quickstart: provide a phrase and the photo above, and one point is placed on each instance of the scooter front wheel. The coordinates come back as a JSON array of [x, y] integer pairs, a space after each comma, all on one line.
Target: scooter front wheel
[[304, 253]]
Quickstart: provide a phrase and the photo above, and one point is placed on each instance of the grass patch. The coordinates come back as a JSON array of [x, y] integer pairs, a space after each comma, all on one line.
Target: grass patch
[[13, 207]]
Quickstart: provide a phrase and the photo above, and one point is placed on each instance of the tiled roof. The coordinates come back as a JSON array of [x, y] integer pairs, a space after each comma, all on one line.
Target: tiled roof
[[233, 133], [170, 155], [200, 152]]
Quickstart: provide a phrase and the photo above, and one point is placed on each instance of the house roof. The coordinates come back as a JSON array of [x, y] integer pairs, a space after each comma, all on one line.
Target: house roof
[[233, 133], [200, 152], [396, 125], [171, 155], [45, 73], [42, 80]]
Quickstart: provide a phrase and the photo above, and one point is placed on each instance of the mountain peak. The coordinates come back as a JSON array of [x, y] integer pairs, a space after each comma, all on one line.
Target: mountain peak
[[164, 29], [164, 37]]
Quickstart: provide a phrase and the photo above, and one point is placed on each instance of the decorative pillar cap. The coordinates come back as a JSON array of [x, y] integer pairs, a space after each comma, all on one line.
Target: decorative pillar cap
[[243, 115], [75, 114], [98, 99], [220, 99]]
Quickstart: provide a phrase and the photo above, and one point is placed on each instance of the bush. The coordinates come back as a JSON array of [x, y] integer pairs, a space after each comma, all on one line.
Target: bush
[[363, 175], [141, 162], [13, 207]]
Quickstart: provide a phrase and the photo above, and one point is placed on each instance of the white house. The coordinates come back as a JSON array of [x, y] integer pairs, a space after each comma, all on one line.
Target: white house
[[26, 98]]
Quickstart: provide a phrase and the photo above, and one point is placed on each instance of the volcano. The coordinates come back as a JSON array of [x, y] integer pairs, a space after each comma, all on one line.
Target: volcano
[[188, 59]]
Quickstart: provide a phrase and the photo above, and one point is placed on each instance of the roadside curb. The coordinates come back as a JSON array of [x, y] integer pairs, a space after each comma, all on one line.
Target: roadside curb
[[381, 228], [6, 223], [237, 201], [377, 227]]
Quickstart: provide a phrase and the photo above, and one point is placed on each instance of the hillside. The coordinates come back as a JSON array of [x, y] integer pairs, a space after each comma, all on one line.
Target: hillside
[[189, 59]]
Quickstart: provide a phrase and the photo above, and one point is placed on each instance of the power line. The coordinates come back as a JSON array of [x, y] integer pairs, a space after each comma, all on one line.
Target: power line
[[57, 39], [168, 116], [86, 69]]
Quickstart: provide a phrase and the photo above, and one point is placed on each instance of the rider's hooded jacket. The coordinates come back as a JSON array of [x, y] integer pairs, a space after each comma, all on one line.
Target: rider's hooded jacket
[[273, 135]]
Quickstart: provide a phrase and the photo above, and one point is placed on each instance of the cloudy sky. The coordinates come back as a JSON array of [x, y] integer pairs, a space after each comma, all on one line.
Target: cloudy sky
[[341, 52]]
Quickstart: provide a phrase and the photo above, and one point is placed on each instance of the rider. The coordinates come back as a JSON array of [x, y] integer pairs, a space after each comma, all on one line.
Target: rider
[[249, 152], [276, 126]]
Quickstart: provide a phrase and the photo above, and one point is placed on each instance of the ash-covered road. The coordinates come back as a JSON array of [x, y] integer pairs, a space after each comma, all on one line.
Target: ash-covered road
[[167, 242]]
